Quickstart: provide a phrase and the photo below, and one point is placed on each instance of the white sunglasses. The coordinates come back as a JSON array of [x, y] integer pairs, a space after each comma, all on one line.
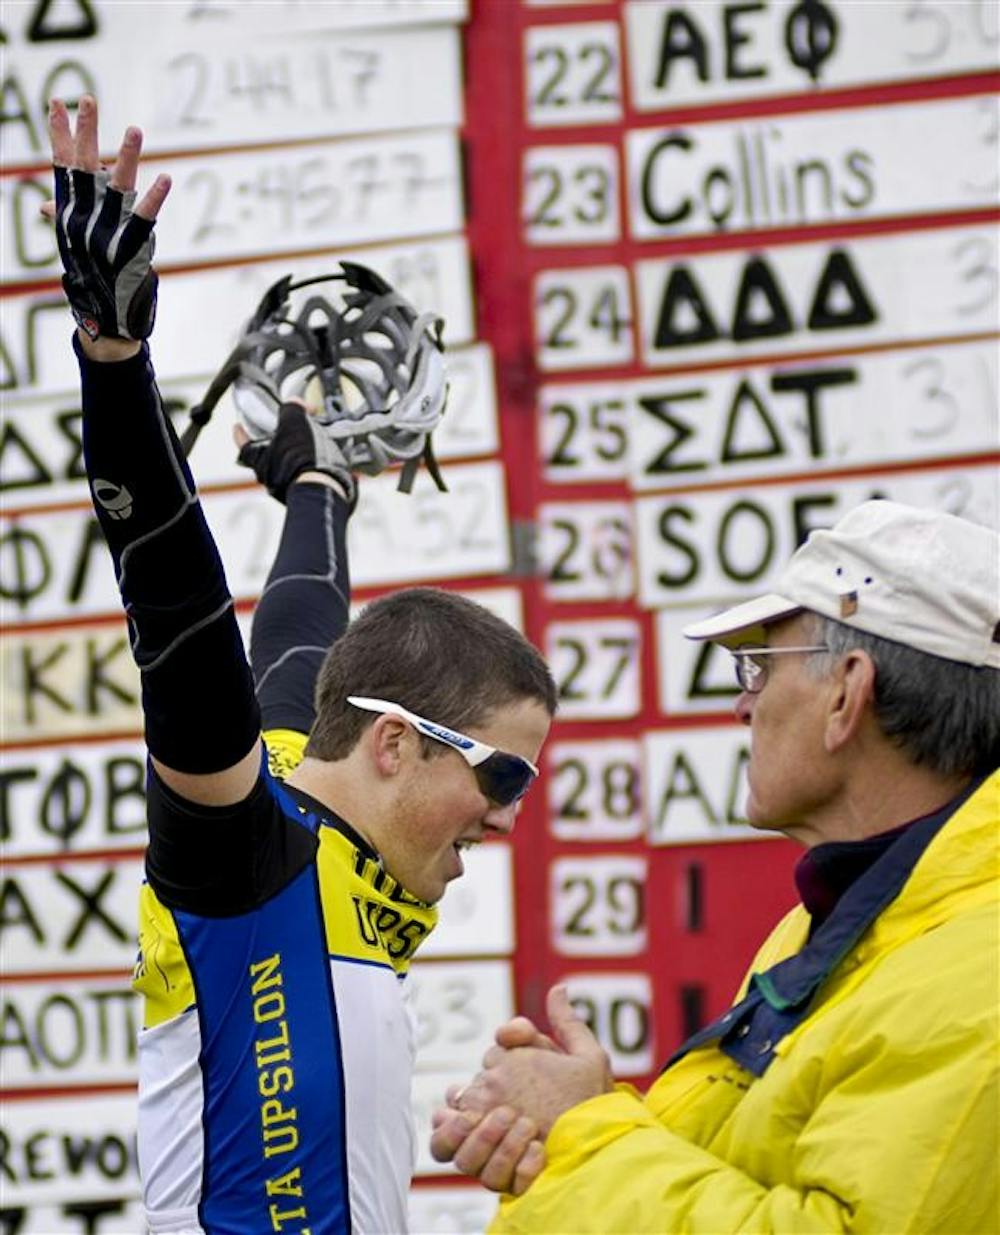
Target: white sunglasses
[[502, 777]]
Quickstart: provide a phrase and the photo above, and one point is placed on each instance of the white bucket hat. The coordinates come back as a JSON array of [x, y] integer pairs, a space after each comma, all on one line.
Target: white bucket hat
[[922, 578]]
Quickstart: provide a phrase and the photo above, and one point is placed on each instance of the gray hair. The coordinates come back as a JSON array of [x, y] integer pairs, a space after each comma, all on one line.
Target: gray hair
[[943, 714]]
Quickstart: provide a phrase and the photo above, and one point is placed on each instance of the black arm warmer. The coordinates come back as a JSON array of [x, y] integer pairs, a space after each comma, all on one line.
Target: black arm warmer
[[222, 860], [303, 608], [197, 692]]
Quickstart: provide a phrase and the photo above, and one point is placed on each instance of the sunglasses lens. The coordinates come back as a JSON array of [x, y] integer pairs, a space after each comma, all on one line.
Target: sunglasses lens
[[504, 778]]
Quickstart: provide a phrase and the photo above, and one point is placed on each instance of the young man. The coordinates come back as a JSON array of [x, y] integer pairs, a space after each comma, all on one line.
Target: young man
[[854, 1085], [279, 917]]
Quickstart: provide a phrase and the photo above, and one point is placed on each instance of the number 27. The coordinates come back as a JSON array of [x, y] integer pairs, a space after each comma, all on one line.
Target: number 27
[[569, 687]]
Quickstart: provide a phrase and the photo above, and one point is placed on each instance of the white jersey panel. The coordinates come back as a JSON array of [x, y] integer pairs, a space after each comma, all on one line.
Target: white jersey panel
[[171, 1136], [378, 1049]]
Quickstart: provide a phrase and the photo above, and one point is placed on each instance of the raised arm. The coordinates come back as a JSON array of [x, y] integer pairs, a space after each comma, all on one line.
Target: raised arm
[[201, 717], [304, 605]]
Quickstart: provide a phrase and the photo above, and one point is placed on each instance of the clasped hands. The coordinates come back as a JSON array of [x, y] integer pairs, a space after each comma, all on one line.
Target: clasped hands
[[493, 1128]]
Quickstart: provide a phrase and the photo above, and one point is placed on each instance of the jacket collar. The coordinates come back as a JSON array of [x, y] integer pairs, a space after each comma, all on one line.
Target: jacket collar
[[906, 886]]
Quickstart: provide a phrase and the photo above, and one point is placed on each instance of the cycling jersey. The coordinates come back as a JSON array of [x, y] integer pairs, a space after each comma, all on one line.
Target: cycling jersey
[[277, 1050]]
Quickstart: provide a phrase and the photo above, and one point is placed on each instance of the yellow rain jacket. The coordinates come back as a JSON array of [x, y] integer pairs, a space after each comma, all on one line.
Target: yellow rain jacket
[[876, 1111]]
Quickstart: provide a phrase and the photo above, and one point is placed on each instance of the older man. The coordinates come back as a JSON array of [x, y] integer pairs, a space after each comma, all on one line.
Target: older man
[[853, 1086]]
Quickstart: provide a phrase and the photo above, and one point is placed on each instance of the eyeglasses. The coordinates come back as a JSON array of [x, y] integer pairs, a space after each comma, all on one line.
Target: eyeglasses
[[752, 673], [502, 777]]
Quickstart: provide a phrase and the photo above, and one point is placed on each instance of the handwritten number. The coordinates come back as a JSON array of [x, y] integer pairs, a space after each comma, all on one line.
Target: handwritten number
[[625, 647], [989, 136], [195, 68], [621, 899], [619, 784], [568, 686], [978, 267], [549, 94], [593, 90], [460, 423], [577, 923], [589, 206], [919, 13], [572, 808], [604, 317], [475, 522], [561, 456], [556, 338], [207, 217], [557, 88], [560, 572], [596, 184], [544, 215], [935, 394]]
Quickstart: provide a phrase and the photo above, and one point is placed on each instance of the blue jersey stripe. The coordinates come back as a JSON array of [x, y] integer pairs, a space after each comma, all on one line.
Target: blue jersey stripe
[[271, 1068]]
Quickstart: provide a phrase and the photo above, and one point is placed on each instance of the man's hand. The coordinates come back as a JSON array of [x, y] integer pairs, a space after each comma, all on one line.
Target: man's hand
[[499, 1148], [537, 1080], [491, 1128], [298, 452], [105, 239], [521, 1031]]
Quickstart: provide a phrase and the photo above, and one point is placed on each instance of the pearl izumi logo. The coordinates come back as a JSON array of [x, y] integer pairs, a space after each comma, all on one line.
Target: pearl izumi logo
[[115, 499]]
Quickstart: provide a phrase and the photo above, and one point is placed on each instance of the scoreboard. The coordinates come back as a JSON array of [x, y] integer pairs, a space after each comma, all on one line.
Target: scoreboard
[[712, 273]]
